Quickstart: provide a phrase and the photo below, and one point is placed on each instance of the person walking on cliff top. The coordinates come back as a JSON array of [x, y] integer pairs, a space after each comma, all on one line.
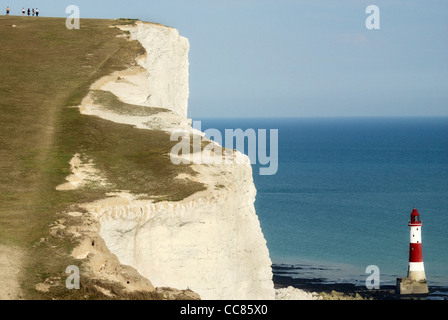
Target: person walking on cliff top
[[33, 12], [23, 12], [7, 10], [29, 11], [37, 12]]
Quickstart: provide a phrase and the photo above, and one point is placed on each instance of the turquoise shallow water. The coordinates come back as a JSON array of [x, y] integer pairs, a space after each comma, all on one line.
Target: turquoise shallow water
[[345, 187]]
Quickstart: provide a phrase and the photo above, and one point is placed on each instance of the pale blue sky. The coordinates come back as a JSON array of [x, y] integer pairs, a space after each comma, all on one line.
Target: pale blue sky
[[275, 58]]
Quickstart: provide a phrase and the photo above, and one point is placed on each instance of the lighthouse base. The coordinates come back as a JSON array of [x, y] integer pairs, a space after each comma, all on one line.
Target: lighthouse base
[[410, 286]]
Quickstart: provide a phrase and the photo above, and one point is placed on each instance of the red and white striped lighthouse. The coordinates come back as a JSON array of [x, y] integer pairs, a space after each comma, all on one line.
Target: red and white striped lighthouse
[[415, 283], [416, 269]]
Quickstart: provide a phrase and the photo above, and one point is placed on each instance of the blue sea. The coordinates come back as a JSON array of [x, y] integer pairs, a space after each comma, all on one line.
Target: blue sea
[[343, 193]]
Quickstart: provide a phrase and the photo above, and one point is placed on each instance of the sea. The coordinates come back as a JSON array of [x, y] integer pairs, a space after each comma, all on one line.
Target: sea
[[341, 197]]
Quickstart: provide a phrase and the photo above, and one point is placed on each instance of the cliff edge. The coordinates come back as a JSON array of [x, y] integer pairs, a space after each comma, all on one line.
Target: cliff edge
[[210, 241]]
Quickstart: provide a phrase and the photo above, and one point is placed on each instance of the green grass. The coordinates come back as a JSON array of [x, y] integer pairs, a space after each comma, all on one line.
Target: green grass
[[44, 69], [126, 21], [110, 102]]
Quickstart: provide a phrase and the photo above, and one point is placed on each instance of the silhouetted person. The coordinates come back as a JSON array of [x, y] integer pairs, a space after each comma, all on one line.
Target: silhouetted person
[[37, 12], [29, 11]]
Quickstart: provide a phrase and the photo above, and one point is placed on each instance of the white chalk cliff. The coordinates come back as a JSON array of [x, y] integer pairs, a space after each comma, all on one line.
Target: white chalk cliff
[[210, 242]]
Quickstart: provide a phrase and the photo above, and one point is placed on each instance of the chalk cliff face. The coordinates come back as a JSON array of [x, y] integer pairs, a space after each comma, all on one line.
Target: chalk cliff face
[[166, 64], [210, 242]]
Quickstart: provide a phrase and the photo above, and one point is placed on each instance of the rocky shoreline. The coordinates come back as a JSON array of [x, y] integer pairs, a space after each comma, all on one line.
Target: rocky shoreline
[[349, 291]]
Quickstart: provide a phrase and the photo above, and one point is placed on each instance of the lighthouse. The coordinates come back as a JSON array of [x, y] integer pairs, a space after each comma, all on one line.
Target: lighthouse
[[415, 283]]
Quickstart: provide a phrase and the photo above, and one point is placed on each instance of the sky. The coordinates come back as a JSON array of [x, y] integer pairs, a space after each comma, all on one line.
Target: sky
[[296, 58]]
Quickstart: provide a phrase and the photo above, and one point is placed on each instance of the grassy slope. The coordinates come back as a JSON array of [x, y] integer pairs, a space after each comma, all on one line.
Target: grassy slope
[[44, 68]]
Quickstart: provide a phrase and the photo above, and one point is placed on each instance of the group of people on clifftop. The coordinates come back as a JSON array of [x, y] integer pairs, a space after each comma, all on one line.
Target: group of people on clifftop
[[33, 12]]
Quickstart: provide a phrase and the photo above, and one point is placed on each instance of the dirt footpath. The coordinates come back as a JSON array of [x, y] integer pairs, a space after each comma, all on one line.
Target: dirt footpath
[[10, 267]]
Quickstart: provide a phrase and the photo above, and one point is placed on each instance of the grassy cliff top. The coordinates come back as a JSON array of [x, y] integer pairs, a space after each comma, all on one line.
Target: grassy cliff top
[[44, 69]]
